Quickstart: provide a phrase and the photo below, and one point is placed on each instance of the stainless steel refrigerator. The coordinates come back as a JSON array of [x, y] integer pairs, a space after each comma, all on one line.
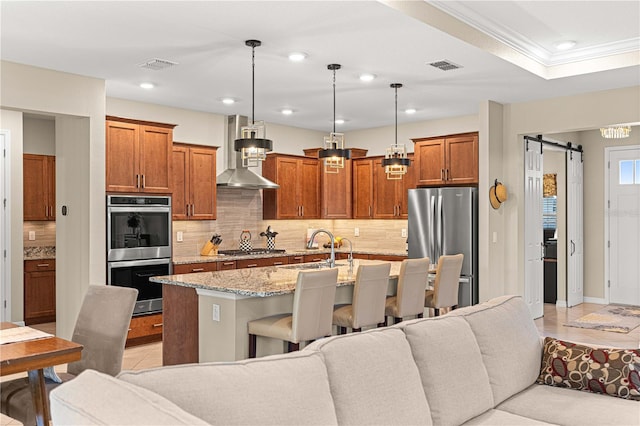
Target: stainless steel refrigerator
[[445, 221]]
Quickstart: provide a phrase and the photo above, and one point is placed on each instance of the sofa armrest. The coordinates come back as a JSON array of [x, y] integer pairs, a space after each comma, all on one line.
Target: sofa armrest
[[96, 398]]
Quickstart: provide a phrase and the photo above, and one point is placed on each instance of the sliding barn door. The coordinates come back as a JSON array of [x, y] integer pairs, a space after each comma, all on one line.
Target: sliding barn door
[[534, 245], [575, 252]]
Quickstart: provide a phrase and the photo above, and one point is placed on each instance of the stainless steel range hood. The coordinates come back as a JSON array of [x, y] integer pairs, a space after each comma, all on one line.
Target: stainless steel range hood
[[237, 176]]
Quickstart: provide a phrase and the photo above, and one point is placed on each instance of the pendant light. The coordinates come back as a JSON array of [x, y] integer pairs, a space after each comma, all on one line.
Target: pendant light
[[253, 145], [334, 153], [395, 160]]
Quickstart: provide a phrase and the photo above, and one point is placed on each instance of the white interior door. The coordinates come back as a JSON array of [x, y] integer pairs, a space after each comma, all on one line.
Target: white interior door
[[623, 215], [5, 313], [575, 229], [534, 244]]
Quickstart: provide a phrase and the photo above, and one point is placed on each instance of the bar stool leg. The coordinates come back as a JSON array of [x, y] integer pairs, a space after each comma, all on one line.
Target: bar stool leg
[[397, 320], [356, 330], [291, 347], [252, 345]]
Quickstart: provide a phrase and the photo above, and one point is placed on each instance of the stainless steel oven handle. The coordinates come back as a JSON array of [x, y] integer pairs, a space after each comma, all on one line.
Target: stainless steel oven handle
[[146, 262]]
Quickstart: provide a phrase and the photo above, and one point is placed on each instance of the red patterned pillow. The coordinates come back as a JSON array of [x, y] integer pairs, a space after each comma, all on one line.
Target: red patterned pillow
[[614, 372]]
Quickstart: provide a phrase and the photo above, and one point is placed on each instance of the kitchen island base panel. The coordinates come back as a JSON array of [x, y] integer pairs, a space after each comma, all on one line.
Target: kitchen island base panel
[[180, 325], [228, 339]]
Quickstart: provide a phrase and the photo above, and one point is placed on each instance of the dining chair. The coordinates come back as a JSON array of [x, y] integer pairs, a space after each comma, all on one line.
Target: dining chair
[[310, 318], [101, 328], [412, 283], [446, 284], [369, 295]]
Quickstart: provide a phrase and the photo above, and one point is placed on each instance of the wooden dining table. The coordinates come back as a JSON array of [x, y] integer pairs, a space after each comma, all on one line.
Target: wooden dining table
[[32, 356]]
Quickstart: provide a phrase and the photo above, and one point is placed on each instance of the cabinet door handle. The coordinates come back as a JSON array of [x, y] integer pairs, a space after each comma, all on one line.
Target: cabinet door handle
[[302, 209], [157, 325], [187, 208], [252, 265], [447, 173], [42, 265], [143, 181], [227, 263], [277, 263], [137, 181], [369, 210], [197, 270]]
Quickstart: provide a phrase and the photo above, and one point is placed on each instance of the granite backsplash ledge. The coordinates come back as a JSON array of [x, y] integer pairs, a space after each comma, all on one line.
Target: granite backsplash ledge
[[43, 252]]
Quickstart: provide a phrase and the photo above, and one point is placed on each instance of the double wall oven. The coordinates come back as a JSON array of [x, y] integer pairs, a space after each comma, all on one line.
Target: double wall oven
[[139, 246]]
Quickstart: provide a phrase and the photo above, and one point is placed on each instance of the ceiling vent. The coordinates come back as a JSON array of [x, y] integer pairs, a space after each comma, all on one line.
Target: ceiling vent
[[158, 64], [445, 65]]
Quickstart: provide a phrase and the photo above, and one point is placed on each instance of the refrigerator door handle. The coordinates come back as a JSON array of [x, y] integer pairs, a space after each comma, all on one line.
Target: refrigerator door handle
[[432, 213], [440, 226]]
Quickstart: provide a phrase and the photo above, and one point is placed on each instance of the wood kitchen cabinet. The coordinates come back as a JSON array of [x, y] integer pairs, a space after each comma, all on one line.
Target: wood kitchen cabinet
[[145, 329], [39, 291], [138, 156], [262, 261], [390, 197], [363, 188], [188, 268], [39, 183], [193, 182], [299, 193], [449, 160], [336, 188]]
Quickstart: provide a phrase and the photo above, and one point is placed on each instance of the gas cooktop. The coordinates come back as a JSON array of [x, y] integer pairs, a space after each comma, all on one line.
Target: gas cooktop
[[252, 251]]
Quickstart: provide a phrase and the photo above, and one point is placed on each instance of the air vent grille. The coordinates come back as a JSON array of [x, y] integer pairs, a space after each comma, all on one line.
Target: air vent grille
[[445, 65], [158, 64]]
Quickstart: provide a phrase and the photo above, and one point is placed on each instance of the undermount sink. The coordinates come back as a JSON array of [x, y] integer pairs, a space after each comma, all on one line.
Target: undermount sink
[[314, 265]]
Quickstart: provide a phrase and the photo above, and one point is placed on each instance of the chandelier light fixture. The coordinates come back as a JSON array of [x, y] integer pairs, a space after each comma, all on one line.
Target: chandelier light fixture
[[395, 160], [253, 144], [615, 132], [334, 152]]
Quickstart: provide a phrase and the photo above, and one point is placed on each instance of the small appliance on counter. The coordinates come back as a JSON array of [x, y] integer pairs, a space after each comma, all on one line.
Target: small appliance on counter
[[271, 238], [211, 247], [245, 240]]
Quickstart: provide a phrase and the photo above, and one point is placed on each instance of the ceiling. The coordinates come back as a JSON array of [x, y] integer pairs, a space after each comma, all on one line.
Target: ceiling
[[505, 50]]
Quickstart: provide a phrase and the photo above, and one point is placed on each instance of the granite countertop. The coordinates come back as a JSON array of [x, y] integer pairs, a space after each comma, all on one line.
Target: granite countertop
[[265, 281], [181, 260], [37, 253]]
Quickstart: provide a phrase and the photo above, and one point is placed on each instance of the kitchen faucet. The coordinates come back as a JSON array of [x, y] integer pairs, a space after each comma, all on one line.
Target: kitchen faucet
[[332, 260]]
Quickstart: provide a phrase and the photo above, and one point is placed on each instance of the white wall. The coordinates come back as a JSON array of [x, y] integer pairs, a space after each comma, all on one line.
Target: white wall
[[39, 136], [572, 113], [41, 91]]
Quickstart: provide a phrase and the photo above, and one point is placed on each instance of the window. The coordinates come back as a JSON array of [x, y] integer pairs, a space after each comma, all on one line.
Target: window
[[629, 172]]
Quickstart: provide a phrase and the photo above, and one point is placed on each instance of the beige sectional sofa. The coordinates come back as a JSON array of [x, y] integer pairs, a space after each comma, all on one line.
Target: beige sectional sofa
[[475, 366]]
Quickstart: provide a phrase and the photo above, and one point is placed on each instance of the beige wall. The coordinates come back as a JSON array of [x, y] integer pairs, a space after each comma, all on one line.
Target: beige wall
[[41, 91], [39, 136], [573, 113]]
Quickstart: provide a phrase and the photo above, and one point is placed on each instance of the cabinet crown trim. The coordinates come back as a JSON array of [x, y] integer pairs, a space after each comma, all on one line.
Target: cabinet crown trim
[[140, 122]]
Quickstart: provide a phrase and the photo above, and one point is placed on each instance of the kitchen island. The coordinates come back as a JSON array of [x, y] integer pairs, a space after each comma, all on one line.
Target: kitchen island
[[205, 314]]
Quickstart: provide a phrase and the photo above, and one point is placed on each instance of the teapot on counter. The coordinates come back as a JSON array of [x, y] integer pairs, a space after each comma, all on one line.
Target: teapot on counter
[[245, 240]]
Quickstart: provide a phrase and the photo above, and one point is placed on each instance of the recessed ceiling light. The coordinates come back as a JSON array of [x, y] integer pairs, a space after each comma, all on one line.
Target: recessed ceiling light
[[297, 56], [287, 111], [339, 121], [367, 77], [147, 86], [228, 101], [564, 45], [410, 111]]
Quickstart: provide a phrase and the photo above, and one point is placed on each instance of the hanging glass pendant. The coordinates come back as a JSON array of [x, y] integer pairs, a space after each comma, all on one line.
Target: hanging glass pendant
[[253, 145], [334, 153], [395, 160]]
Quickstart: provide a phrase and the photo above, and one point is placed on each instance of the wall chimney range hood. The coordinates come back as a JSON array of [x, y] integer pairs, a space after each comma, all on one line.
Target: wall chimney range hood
[[237, 176]]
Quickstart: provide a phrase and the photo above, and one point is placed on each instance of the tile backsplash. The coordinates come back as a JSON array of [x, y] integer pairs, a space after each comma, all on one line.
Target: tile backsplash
[[44, 231], [240, 209]]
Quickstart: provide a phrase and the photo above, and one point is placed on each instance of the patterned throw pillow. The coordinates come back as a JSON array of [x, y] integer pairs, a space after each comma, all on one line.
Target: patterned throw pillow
[[614, 372]]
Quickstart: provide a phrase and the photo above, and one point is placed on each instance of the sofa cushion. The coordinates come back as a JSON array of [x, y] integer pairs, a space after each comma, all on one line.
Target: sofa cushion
[[503, 418], [450, 365], [615, 372], [509, 342], [281, 389], [99, 399], [374, 379], [566, 407]]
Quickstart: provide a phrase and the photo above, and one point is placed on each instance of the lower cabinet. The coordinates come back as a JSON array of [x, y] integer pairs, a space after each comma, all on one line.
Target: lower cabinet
[[39, 291], [145, 329], [261, 262], [188, 268]]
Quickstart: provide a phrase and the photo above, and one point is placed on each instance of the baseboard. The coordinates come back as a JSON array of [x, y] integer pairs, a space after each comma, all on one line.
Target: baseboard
[[561, 303], [597, 300]]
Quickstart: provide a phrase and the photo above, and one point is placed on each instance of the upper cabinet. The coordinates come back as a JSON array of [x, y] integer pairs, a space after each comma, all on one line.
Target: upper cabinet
[[390, 197], [138, 156], [449, 160], [335, 188], [39, 182], [363, 188], [193, 182], [299, 180]]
